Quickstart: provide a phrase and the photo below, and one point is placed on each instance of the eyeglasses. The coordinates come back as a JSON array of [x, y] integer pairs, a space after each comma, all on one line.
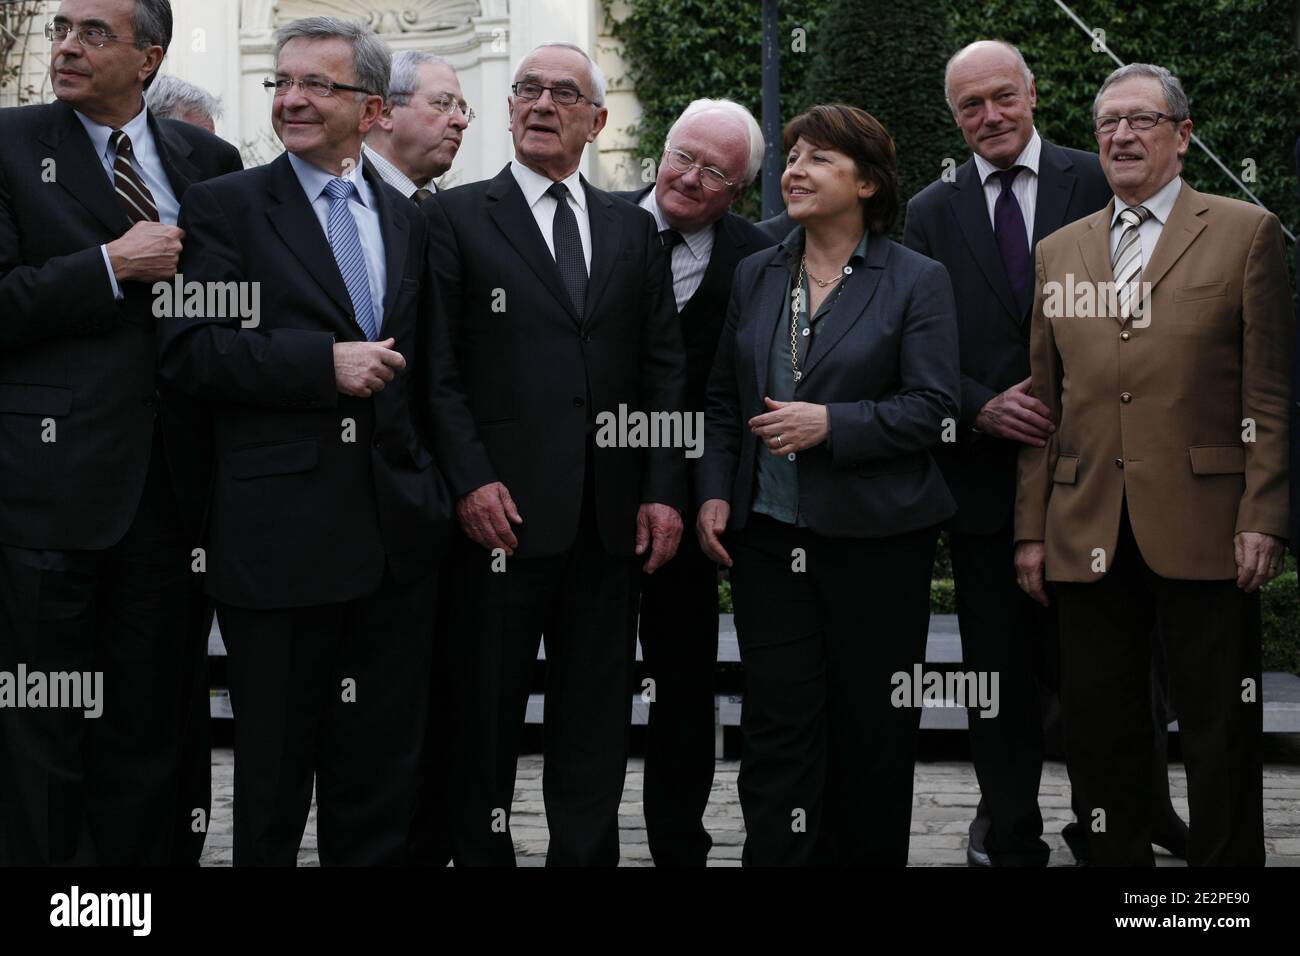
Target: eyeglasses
[[683, 162], [1144, 120], [446, 103], [97, 37], [314, 86], [560, 95]]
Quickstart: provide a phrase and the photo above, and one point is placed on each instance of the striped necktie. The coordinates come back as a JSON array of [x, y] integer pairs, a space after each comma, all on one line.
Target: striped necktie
[[1127, 262], [134, 196], [345, 241]]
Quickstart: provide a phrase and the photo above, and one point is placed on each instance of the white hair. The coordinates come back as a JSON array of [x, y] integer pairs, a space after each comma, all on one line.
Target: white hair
[[171, 98], [597, 77], [404, 79], [947, 70], [730, 108]]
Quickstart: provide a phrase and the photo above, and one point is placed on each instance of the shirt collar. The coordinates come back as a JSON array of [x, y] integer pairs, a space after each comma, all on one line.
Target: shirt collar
[[1028, 158], [697, 241], [794, 250], [534, 185], [1160, 205], [137, 129], [390, 174], [313, 179]]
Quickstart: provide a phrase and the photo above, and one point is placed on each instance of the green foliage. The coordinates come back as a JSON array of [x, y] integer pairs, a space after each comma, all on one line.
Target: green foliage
[[1280, 610], [888, 58], [681, 50]]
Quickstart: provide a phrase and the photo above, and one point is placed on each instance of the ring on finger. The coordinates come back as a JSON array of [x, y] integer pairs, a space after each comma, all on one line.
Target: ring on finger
[[778, 441]]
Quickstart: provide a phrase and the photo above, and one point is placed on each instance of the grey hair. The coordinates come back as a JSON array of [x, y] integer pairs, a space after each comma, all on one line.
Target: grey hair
[[1025, 71], [152, 25], [1175, 98], [405, 77], [597, 77], [171, 98], [370, 57], [754, 162]]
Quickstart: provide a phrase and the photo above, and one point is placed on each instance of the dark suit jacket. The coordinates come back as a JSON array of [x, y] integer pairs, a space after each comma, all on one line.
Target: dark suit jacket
[[778, 227], [1295, 408], [885, 366], [949, 222], [70, 352], [315, 491], [701, 319], [528, 378]]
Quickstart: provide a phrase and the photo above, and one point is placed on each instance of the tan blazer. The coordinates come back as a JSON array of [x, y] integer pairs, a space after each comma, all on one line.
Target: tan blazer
[[1156, 411]]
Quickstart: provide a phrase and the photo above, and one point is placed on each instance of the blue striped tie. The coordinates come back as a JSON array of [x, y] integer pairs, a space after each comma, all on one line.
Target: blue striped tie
[[346, 244]]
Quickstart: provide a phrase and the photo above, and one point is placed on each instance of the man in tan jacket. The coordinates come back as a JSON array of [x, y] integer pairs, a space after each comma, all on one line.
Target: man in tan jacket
[[1160, 342]]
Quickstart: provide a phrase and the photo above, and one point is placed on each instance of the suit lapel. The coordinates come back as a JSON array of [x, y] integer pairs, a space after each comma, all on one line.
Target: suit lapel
[[770, 311], [393, 228], [1056, 184], [79, 171], [294, 220], [972, 214], [512, 216], [606, 243], [728, 250], [851, 306], [174, 151], [1182, 229]]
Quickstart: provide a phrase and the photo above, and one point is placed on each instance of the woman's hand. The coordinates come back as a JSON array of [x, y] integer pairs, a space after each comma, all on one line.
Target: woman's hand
[[790, 426], [711, 522]]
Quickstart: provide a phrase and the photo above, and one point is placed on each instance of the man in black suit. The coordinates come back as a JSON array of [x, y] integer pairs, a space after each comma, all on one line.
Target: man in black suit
[[713, 153], [104, 470], [327, 512], [561, 315], [983, 225]]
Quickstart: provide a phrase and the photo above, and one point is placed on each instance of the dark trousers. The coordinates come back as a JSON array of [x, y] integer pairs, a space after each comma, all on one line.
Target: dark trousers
[[827, 760], [338, 692], [679, 648], [106, 790], [1211, 635], [584, 602], [1003, 632]]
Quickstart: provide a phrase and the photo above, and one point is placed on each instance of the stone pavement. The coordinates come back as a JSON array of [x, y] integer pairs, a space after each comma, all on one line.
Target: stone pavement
[[944, 803]]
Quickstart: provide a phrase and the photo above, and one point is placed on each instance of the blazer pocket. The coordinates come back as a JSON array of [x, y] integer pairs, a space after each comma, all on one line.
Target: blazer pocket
[[17, 399], [1067, 470], [1217, 459], [1207, 290], [280, 458]]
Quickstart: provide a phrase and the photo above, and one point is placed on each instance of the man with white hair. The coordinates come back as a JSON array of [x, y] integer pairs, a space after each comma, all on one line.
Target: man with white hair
[[713, 152], [173, 98], [561, 315], [419, 131]]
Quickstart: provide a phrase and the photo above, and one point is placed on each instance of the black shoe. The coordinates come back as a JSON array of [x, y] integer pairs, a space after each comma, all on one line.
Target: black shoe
[[979, 828], [1076, 838]]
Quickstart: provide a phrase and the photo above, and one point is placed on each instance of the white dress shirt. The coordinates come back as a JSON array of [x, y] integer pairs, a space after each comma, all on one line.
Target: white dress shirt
[[1024, 189], [1160, 206], [313, 180], [147, 163], [690, 257], [394, 176], [534, 186]]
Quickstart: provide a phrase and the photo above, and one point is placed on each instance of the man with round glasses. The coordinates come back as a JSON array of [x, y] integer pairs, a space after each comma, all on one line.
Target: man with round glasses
[[419, 131]]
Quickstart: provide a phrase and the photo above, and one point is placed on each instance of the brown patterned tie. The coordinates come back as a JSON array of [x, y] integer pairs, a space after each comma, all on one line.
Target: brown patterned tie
[[421, 195], [134, 196]]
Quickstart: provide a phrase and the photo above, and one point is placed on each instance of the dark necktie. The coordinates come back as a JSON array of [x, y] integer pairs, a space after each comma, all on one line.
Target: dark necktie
[[133, 195], [568, 247], [1013, 240], [421, 195], [671, 239]]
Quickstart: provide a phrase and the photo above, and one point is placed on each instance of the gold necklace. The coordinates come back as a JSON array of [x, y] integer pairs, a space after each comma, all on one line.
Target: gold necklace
[[823, 283]]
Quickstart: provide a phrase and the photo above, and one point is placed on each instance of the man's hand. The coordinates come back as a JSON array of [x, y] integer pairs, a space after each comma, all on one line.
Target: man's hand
[[790, 426], [363, 368], [1017, 415], [659, 528], [709, 523], [147, 252], [486, 514], [1030, 560], [1259, 559]]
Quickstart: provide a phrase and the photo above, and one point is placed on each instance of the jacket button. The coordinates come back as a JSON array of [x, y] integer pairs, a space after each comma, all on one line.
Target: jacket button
[[1119, 462], [1125, 336], [586, 339], [1126, 397], [579, 402], [790, 457]]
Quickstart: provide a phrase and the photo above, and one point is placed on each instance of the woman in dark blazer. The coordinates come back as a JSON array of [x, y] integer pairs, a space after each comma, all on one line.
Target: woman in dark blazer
[[835, 375]]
